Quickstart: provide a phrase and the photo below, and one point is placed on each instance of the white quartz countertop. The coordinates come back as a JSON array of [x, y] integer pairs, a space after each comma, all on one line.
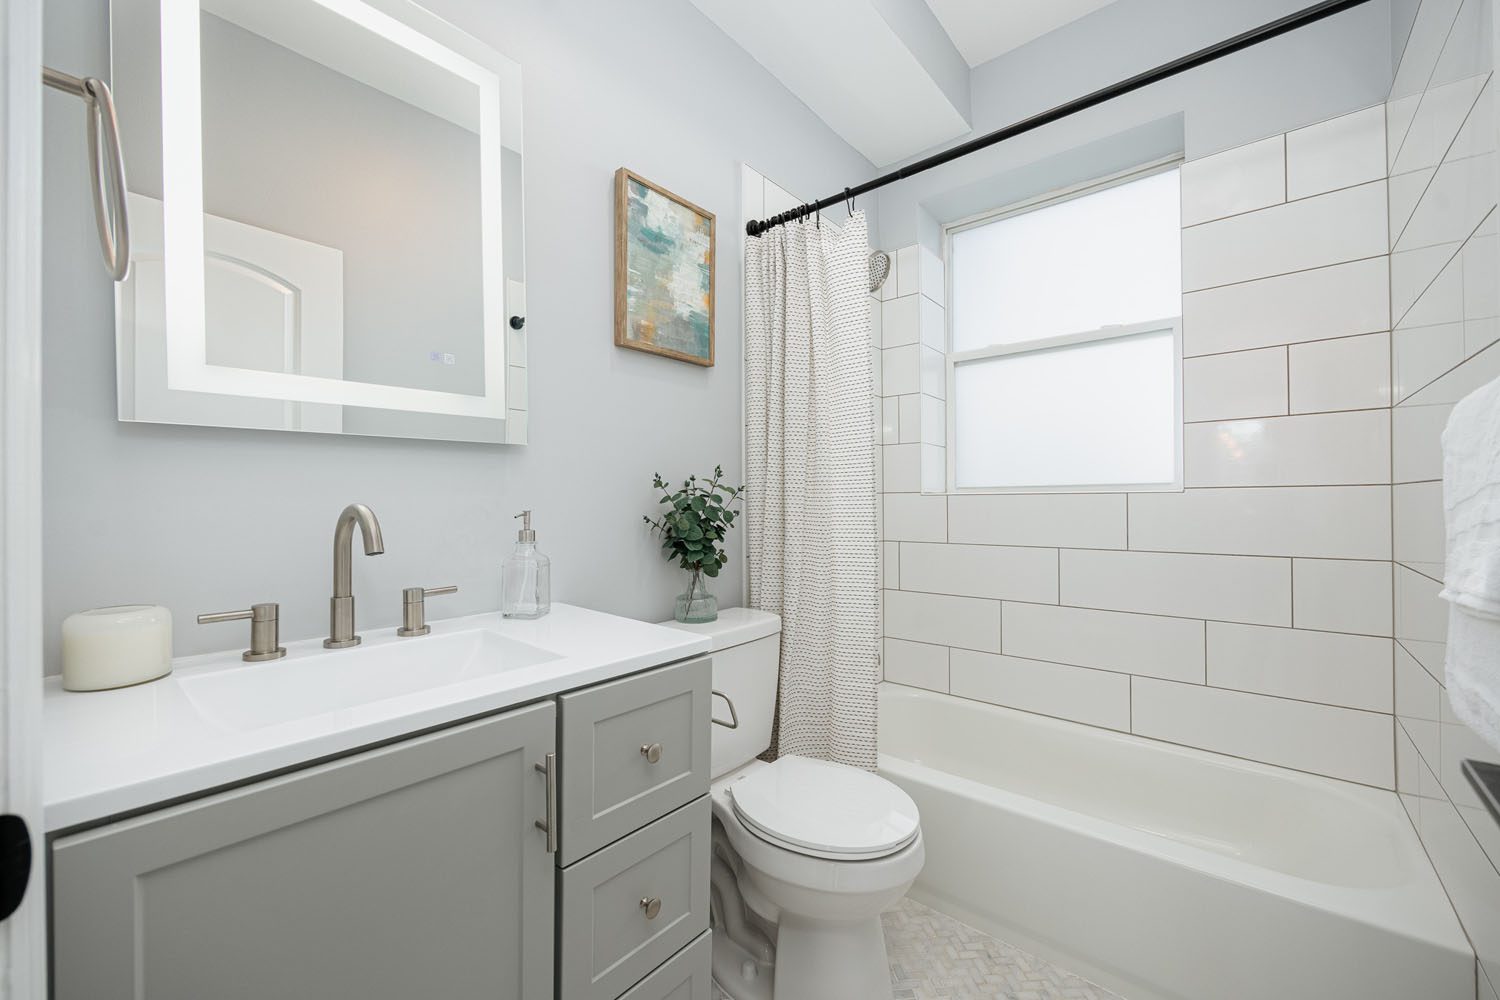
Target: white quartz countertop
[[111, 752]]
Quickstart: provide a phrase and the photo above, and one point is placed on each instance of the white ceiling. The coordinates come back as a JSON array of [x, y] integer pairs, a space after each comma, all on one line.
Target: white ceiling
[[848, 64], [984, 29]]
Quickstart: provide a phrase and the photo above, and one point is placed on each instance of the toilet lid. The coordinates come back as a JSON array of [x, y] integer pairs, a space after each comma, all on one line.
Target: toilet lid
[[826, 810]]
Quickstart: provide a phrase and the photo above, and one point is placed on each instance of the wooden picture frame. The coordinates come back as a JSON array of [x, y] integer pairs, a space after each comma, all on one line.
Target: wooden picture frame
[[650, 281]]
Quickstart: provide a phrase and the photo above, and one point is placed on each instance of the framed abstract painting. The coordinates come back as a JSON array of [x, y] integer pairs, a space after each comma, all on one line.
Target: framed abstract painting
[[664, 272]]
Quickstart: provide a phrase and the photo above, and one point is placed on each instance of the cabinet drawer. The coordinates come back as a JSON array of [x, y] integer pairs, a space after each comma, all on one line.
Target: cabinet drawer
[[688, 975], [607, 939], [610, 785]]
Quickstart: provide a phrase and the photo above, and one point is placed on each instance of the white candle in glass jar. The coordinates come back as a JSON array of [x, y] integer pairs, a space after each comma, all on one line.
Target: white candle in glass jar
[[116, 647]]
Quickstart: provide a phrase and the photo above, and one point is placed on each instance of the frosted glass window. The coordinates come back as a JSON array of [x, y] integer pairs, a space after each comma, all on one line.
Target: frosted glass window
[[1091, 414], [1112, 257]]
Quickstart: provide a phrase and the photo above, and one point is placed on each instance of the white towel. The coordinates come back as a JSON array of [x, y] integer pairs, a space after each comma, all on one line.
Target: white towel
[[1471, 504]]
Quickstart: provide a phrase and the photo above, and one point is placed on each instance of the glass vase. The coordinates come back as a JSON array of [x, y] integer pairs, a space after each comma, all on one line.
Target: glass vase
[[696, 605]]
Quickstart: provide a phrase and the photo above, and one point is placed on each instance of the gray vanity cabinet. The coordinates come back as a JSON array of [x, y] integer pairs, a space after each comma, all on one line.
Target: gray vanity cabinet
[[417, 869], [412, 870]]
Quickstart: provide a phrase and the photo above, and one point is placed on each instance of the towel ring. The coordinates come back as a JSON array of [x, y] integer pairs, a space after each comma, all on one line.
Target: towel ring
[[106, 166]]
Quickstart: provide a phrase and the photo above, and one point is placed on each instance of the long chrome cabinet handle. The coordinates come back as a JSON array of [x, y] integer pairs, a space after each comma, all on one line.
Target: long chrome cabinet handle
[[548, 768]]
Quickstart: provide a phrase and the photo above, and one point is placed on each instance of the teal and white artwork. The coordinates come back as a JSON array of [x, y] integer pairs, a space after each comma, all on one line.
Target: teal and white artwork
[[664, 272]]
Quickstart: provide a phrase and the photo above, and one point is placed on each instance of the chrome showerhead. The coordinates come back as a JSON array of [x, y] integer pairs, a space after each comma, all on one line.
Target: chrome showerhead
[[880, 269]]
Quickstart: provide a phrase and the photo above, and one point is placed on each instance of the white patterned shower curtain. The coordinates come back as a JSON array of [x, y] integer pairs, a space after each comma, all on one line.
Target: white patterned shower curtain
[[810, 452]]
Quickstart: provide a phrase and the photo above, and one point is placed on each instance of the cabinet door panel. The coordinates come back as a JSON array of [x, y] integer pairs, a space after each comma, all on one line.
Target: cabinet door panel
[[410, 870], [610, 786]]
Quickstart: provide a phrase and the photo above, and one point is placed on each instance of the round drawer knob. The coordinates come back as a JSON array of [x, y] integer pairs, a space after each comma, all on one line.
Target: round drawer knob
[[651, 751], [652, 906]]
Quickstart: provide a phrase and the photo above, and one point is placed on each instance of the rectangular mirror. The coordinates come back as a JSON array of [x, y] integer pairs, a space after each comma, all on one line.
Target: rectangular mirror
[[326, 208]]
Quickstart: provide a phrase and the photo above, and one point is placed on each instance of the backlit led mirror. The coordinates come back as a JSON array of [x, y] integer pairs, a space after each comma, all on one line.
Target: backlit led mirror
[[326, 204]]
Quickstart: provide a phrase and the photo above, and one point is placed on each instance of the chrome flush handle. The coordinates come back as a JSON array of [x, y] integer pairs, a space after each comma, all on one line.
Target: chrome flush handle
[[734, 717]]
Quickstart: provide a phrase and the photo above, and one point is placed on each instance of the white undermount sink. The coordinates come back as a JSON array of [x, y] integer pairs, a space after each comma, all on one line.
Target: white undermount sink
[[259, 695]]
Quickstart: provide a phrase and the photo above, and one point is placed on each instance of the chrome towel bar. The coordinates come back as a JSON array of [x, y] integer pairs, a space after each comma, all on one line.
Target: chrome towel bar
[[106, 166]]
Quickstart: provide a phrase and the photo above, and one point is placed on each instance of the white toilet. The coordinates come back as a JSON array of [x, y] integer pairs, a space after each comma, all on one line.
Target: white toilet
[[806, 853]]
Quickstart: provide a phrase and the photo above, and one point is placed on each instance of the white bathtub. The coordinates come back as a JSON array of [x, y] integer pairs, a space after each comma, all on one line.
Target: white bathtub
[[1166, 873]]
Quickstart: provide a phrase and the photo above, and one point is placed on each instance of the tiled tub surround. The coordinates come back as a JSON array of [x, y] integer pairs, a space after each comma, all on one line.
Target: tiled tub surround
[[1445, 278], [1248, 614], [1166, 872]]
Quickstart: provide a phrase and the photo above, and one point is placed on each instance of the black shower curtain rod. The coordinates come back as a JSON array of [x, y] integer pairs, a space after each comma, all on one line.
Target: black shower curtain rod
[[1280, 26]]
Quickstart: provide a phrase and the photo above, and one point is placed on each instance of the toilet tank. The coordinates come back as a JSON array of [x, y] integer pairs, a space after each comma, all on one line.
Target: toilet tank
[[746, 666]]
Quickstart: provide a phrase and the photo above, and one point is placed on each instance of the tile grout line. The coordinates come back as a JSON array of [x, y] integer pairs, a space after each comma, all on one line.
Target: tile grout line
[[1285, 199], [1297, 343], [1117, 611], [1204, 684], [1284, 274], [1158, 739]]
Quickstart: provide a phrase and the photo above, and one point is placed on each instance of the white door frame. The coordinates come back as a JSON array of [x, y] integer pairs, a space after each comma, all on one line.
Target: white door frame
[[23, 944]]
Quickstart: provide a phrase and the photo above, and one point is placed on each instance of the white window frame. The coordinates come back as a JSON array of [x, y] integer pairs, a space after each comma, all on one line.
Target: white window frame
[[1115, 332]]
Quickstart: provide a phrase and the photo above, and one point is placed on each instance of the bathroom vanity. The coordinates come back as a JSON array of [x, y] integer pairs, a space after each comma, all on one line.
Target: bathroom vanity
[[500, 809]]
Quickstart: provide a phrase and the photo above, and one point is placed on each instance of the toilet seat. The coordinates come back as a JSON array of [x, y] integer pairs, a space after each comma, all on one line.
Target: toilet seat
[[824, 810]]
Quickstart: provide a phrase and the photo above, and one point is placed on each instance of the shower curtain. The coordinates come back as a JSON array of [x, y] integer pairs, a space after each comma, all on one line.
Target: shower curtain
[[810, 453]]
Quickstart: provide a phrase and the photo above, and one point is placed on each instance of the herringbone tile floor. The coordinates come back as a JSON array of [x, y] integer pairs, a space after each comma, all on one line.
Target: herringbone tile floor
[[934, 957]]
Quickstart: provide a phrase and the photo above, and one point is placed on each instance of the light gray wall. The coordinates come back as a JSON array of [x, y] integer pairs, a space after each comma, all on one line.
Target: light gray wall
[[1403, 16], [1338, 65], [204, 520], [918, 27]]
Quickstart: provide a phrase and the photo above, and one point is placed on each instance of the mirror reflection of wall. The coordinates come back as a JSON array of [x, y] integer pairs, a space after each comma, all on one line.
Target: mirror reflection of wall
[[295, 147], [344, 194]]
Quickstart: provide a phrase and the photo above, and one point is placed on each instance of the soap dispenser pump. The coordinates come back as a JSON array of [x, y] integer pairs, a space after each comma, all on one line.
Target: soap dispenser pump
[[525, 576]]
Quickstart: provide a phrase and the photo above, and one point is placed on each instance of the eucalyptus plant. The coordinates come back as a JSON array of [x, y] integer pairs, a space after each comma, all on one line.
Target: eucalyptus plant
[[693, 526]]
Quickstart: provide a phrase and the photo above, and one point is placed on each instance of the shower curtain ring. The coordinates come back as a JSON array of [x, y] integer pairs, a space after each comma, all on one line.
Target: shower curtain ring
[[848, 201]]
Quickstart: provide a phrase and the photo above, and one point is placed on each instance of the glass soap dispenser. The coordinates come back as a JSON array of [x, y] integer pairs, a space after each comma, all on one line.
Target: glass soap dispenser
[[525, 577]]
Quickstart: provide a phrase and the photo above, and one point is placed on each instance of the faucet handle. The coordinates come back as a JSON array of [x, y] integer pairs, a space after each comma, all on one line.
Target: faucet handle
[[265, 629], [414, 609]]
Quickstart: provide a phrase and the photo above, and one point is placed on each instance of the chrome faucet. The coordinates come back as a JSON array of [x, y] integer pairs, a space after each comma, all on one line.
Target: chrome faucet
[[341, 608]]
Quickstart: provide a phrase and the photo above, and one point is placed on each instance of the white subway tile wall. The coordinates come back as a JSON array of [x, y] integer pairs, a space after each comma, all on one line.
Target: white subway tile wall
[[1340, 595], [1249, 614], [1334, 154], [1341, 742], [1344, 225], [1000, 572], [1223, 588], [1336, 301], [1148, 645], [1332, 522], [1445, 296], [1237, 180], [1239, 384], [1342, 292], [1318, 449], [1095, 697], [1351, 373]]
